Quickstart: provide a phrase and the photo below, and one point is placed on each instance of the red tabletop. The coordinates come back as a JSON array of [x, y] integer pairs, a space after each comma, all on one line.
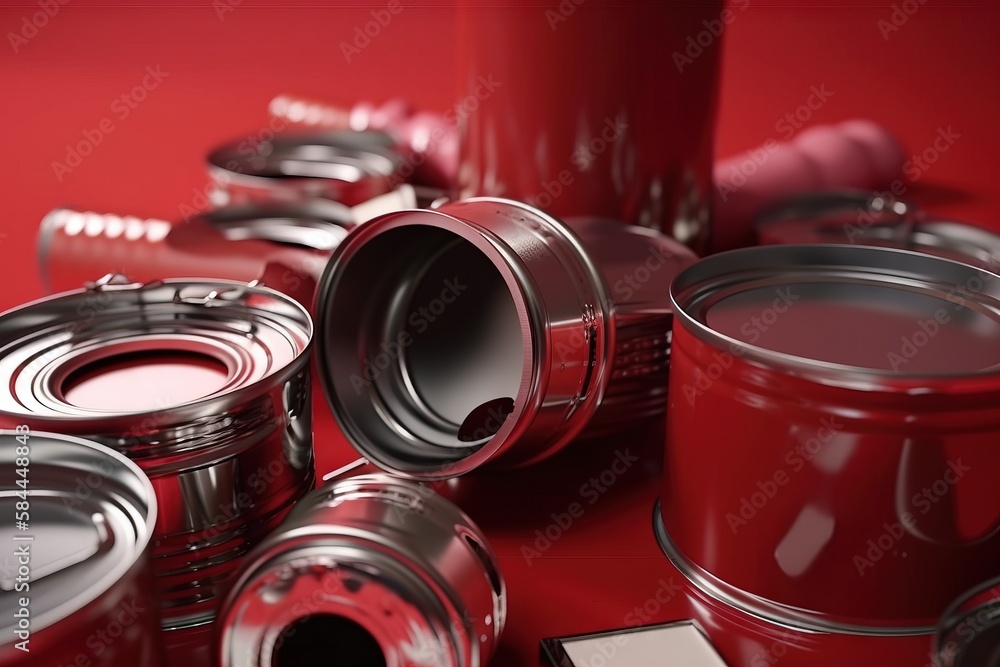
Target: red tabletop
[[208, 70]]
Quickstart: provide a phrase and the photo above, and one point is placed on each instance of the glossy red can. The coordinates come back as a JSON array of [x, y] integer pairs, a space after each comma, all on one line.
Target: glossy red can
[[833, 434], [596, 108]]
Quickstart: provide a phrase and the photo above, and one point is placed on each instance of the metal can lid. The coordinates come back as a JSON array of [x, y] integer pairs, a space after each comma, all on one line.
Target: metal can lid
[[862, 218], [845, 312], [92, 360], [317, 224], [89, 520]]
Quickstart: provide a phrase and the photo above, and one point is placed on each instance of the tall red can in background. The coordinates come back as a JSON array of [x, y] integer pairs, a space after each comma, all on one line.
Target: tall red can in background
[[594, 108]]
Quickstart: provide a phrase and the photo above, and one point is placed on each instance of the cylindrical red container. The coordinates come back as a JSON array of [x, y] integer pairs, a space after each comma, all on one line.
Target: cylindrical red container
[[834, 434], [75, 584], [596, 108]]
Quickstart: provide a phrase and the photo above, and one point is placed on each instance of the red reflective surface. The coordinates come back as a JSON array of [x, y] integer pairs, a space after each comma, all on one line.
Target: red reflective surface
[[936, 70]]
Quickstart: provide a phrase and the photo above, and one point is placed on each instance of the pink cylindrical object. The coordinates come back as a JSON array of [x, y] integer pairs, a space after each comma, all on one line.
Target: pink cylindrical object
[[854, 154]]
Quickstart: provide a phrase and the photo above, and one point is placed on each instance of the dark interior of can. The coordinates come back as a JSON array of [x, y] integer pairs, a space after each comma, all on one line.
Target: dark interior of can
[[325, 639], [424, 342]]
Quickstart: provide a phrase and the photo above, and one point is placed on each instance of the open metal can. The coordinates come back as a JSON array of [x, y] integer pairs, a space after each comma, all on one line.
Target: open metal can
[[203, 384], [370, 571], [833, 434], [75, 580], [487, 330], [346, 166]]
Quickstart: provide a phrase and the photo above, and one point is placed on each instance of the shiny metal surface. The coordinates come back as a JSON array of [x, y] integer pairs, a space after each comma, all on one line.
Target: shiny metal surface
[[846, 400], [969, 632], [205, 385], [367, 571], [877, 220], [488, 330], [80, 564], [347, 167]]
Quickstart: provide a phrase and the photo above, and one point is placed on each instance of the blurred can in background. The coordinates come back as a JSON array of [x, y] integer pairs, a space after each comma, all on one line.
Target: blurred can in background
[[594, 108]]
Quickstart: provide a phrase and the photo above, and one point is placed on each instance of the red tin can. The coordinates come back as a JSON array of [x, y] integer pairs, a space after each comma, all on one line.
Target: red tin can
[[596, 108], [833, 434], [75, 579]]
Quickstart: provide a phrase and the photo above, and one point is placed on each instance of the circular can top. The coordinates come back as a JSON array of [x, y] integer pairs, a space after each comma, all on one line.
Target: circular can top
[[316, 224], [93, 360], [345, 166], [92, 513], [862, 218], [847, 315]]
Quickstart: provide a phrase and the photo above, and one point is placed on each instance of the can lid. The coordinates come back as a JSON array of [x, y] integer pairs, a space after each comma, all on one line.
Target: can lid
[[89, 520], [845, 312], [862, 218], [92, 360], [318, 224]]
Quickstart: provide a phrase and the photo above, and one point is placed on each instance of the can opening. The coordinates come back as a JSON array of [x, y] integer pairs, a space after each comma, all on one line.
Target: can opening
[[427, 345], [143, 380], [327, 639]]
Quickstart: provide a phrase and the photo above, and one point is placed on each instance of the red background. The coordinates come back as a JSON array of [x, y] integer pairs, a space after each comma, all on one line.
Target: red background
[[939, 70]]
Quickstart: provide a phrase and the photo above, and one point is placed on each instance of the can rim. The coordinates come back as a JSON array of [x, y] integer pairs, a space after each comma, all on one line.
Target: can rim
[[724, 268], [294, 223], [197, 406], [369, 153], [517, 280]]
